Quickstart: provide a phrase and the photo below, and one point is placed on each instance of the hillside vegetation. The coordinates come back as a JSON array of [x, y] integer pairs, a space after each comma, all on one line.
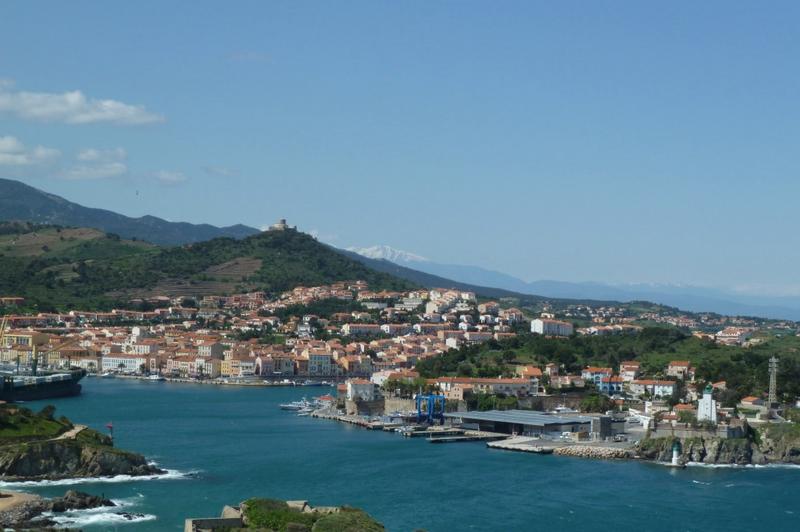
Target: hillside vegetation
[[744, 369], [271, 514], [57, 268]]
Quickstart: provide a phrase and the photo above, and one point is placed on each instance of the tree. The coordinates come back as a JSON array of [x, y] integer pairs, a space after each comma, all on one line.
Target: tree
[[595, 402]]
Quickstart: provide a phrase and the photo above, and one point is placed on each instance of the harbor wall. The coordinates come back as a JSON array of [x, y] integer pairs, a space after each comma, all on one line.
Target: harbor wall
[[394, 404], [379, 407], [685, 431], [364, 408]]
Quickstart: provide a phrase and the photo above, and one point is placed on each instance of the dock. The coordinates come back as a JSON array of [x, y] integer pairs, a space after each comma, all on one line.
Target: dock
[[470, 435], [522, 444]]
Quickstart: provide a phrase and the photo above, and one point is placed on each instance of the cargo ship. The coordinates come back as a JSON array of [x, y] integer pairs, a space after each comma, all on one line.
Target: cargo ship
[[14, 387]]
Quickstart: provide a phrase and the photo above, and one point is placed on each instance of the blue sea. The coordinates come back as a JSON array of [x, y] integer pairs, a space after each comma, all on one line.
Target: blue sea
[[225, 444]]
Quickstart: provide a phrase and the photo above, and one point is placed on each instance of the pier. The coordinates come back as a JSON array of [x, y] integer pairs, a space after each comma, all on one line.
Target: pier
[[601, 450]]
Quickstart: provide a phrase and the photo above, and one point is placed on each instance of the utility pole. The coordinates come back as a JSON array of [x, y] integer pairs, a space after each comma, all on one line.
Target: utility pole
[[773, 385]]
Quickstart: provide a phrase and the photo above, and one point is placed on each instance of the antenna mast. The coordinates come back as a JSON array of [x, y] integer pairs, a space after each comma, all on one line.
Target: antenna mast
[[773, 386]]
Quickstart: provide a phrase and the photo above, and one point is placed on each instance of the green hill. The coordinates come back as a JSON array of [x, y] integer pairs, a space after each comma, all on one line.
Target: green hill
[[62, 268]]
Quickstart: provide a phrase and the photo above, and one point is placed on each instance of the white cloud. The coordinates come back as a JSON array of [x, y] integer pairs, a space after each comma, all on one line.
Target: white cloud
[[98, 164], [72, 107], [168, 177], [91, 154], [14, 153], [219, 171]]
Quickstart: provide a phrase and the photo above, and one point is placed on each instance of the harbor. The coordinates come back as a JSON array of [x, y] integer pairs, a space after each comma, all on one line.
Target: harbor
[[221, 428], [558, 434]]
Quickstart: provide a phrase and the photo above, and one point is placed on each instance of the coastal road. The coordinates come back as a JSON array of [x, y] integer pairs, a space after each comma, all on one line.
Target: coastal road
[[71, 434]]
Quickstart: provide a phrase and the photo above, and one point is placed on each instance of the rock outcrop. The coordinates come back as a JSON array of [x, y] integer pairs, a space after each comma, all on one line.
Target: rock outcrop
[[27, 515], [775, 444], [58, 459]]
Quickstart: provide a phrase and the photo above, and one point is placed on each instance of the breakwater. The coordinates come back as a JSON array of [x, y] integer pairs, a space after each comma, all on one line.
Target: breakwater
[[590, 451]]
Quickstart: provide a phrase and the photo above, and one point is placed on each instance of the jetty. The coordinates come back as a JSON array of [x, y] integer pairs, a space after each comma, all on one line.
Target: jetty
[[521, 444], [598, 450]]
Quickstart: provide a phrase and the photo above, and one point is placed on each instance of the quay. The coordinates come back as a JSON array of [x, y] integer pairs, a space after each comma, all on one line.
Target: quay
[[433, 434], [522, 444], [228, 381], [604, 451]]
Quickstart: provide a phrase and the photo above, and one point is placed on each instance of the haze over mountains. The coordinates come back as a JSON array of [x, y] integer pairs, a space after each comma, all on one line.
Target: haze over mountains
[[22, 202], [692, 298]]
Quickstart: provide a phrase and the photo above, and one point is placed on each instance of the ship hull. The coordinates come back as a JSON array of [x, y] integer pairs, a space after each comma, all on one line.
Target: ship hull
[[35, 391]]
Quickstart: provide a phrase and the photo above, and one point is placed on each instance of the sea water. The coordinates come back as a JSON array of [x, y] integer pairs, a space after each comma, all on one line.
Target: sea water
[[224, 444]]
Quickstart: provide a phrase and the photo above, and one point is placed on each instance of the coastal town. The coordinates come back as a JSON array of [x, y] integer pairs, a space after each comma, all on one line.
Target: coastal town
[[370, 345]]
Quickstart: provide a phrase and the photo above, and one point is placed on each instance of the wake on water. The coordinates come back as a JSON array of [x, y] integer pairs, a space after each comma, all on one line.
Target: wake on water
[[171, 474], [746, 466], [114, 515]]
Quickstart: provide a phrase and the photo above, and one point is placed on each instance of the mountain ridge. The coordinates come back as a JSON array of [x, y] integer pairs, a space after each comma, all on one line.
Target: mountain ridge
[[687, 297], [22, 202]]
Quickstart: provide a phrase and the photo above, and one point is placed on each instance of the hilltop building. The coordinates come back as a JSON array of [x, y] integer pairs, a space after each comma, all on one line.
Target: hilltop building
[[281, 225]]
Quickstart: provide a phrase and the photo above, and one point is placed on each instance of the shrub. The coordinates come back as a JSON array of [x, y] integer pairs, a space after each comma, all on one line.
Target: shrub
[[348, 520], [275, 515]]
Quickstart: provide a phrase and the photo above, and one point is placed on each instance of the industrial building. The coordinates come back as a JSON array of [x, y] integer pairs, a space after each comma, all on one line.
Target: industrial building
[[528, 422]]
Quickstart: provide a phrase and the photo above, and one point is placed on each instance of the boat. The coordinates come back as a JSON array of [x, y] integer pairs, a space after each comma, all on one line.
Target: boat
[[156, 378], [308, 382], [302, 405], [41, 386], [107, 375], [295, 405]]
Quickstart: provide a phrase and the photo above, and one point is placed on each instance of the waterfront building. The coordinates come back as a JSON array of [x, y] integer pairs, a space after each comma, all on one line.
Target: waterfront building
[[361, 390], [523, 422], [125, 363], [522, 387]]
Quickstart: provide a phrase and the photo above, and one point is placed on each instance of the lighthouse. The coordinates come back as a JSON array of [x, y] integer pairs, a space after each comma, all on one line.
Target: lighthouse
[[676, 453], [707, 407]]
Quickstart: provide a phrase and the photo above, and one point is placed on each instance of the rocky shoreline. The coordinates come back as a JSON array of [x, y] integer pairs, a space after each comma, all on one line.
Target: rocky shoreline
[[63, 459], [763, 447], [28, 512]]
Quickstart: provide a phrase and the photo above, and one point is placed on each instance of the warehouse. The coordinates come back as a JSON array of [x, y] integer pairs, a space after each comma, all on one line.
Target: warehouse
[[522, 422]]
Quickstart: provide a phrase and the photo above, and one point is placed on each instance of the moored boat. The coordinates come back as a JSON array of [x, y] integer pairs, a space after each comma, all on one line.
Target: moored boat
[[42, 386]]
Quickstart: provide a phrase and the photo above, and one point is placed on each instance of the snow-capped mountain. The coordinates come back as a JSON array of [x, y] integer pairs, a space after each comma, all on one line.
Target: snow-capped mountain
[[391, 254], [687, 297]]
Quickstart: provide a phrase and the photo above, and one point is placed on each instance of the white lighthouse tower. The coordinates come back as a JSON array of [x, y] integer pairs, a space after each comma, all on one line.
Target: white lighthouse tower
[[676, 454], [707, 407]]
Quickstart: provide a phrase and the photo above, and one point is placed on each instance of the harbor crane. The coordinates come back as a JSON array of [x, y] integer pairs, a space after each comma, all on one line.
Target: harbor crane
[[431, 408]]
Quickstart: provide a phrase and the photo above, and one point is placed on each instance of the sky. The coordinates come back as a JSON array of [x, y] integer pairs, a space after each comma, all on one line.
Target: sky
[[579, 141]]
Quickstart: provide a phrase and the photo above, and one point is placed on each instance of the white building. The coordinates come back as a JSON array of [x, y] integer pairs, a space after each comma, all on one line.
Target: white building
[[707, 407], [547, 327], [124, 363], [361, 389]]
